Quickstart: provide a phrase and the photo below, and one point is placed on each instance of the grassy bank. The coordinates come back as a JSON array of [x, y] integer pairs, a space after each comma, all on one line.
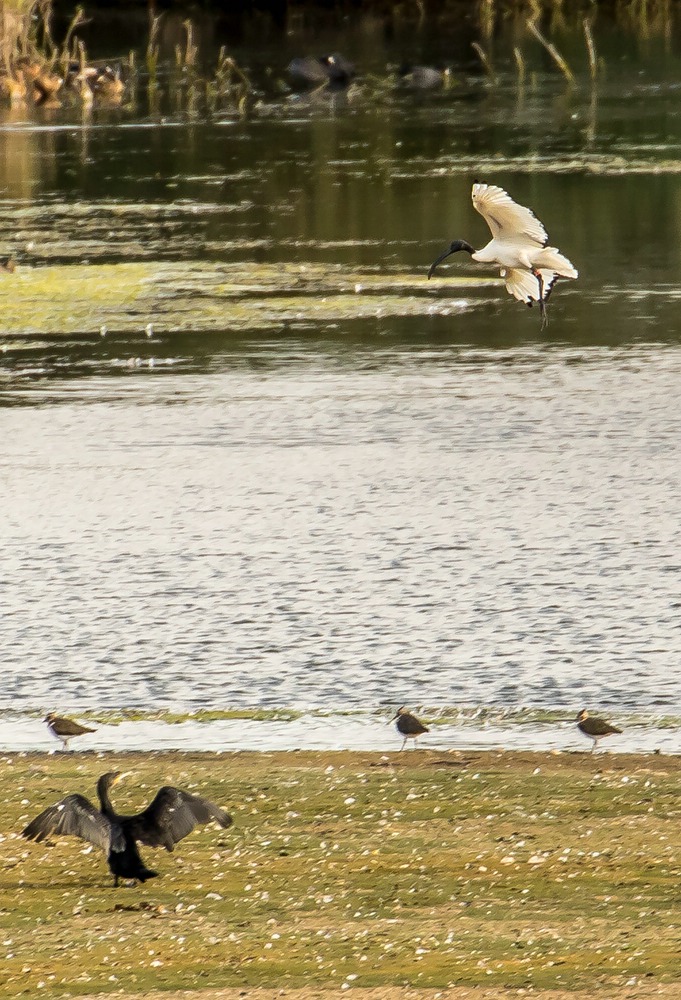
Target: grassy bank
[[416, 870]]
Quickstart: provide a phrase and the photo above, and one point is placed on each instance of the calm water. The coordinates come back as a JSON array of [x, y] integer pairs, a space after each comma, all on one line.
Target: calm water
[[317, 480]]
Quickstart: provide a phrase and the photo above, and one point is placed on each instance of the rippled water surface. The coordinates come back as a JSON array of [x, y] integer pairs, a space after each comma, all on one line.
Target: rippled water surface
[[252, 457]]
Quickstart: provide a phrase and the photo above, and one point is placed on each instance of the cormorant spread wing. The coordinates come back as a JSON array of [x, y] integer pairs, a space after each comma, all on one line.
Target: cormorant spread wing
[[171, 816], [74, 816]]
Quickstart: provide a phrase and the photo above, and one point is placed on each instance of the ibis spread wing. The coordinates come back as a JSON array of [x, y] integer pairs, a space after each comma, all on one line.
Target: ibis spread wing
[[74, 816], [524, 286], [506, 219], [171, 816]]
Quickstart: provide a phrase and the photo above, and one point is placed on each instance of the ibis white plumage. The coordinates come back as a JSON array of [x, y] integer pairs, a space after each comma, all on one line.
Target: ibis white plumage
[[519, 245]]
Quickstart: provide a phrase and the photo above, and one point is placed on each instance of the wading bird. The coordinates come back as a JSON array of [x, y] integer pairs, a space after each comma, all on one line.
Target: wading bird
[[594, 728], [165, 822], [519, 245], [65, 729], [423, 77], [408, 725], [333, 70]]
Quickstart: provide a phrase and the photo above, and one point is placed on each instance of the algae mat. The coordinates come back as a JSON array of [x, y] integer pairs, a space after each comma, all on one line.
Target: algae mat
[[470, 875], [77, 299]]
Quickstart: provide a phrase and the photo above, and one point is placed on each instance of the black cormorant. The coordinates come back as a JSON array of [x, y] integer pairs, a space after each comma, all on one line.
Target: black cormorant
[[165, 822]]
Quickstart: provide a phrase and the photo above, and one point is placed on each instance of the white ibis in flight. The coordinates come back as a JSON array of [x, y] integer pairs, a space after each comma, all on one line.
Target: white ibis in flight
[[519, 245]]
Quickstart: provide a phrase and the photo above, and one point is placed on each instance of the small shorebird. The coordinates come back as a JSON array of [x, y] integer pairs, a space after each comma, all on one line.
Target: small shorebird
[[64, 729], [594, 728], [519, 245], [408, 725]]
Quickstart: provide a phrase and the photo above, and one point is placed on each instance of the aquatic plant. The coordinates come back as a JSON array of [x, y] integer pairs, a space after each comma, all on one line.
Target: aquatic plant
[[152, 52], [185, 58], [552, 51]]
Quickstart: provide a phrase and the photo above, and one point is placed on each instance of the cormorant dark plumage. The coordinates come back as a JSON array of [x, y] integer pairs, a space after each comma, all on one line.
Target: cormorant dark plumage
[[594, 728], [408, 725], [165, 822], [65, 729]]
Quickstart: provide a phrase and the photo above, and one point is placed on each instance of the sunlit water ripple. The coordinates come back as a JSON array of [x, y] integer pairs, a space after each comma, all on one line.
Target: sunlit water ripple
[[466, 530]]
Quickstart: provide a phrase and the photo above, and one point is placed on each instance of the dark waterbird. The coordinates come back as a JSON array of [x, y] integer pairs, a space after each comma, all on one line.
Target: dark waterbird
[[423, 77], [594, 728], [313, 71], [165, 822], [519, 246], [408, 726], [65, 729]]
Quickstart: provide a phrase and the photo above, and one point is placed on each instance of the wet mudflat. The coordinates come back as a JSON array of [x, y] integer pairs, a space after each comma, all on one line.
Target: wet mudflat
[[396, 874]]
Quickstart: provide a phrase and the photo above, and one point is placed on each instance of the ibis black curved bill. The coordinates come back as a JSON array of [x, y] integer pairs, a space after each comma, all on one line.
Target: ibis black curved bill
[[452, 248]]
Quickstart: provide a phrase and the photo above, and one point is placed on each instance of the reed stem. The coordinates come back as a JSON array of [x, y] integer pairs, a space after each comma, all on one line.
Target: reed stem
[[520, 64], [591, 48], [552, 51], [485, 60]]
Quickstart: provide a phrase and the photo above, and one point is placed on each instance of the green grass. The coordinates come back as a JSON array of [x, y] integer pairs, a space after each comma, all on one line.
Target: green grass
[[427, 869]]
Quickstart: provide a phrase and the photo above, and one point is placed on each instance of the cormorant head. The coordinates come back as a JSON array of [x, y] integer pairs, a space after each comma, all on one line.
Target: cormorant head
[[452, 248], [109, 779]]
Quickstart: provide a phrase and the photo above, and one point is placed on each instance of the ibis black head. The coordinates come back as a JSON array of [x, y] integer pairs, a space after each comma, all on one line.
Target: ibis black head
[[452, 248]]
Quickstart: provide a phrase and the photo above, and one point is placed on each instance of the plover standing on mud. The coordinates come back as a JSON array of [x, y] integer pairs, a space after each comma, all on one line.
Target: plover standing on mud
[[65, 729], [594, 728], [408, 725]]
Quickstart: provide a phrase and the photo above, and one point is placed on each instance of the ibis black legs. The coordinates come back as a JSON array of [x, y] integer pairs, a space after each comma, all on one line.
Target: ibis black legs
[[542, 301]]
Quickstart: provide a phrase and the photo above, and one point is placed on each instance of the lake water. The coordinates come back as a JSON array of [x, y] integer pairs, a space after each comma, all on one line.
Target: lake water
[[252, 457]]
